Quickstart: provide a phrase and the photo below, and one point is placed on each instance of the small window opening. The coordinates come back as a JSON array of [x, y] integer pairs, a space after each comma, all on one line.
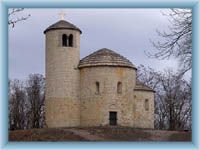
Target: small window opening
[[71, 40], [97, 88], [146, 105], [119, 87], [64, 40]]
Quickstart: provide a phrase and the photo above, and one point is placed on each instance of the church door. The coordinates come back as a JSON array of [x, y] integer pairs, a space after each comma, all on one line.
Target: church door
[[113, 117]]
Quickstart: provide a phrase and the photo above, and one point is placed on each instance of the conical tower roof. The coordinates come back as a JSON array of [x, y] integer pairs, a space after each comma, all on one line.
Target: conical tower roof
[[62, 24]]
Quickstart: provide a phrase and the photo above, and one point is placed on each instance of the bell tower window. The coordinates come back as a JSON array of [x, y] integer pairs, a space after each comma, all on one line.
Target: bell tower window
[[64, 40], [70, 40]]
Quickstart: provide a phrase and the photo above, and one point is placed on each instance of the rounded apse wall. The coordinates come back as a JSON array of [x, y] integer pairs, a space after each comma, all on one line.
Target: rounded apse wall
[[106, 90]]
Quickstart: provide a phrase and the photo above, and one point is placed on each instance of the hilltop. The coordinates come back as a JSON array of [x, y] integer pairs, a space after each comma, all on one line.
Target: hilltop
[[98, 134]]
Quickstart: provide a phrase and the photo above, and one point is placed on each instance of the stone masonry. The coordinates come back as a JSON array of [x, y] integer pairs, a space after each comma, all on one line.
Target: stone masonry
[[100, 89]]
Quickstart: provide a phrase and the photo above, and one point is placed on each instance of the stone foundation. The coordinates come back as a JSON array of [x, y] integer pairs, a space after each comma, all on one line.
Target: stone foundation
[[62, 112]]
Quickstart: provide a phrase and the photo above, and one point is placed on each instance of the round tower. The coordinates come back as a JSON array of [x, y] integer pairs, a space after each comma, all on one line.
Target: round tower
[[62, 101]]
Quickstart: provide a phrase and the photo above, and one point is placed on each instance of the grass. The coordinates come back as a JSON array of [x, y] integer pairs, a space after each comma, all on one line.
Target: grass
[[105, 133], [180, 137], [43, 135], [121, 134]]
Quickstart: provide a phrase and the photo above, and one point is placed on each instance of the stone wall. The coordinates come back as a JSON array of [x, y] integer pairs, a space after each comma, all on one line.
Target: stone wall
[[62, 75], [62, 112], [62, 79], [95, 108], [71, 98], [143, 118]]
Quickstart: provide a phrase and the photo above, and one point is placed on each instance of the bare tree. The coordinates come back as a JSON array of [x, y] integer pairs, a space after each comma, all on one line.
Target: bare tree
[[35, 97], [177, 41], [12, 19], [16, 105], [26, 103], [176, 100]]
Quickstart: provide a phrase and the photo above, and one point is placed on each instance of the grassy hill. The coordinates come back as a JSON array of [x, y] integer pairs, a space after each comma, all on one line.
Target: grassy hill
[[98, 134]]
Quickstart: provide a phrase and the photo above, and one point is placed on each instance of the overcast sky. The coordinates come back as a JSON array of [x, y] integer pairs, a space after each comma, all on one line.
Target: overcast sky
[[126, 31]]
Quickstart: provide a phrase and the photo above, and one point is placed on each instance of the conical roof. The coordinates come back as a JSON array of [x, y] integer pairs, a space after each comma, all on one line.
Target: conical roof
[[105, 57], [62, 24]]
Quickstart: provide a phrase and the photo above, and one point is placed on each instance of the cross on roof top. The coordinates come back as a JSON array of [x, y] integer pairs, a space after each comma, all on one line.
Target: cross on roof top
[[62, 15]]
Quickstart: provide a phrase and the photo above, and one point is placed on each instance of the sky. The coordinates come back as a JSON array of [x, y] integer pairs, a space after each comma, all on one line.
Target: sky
[[126, 31]]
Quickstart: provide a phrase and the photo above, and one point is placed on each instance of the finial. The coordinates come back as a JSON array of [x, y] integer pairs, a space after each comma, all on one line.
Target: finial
[[62, 15]]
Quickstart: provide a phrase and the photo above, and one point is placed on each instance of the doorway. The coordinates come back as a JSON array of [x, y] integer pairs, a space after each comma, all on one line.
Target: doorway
[[113, 117]]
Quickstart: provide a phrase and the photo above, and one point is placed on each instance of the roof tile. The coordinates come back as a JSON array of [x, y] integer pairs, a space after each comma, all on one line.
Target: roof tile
[[62, 24], [105, 57]]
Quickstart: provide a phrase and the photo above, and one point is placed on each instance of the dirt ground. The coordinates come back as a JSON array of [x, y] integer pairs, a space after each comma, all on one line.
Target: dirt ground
[[98, 134], [43, 135]]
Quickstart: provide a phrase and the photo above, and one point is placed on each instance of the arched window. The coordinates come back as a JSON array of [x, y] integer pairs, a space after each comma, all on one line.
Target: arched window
[[64, 40], [146, 104], [71, 40], [119, 87], [97, 88]]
